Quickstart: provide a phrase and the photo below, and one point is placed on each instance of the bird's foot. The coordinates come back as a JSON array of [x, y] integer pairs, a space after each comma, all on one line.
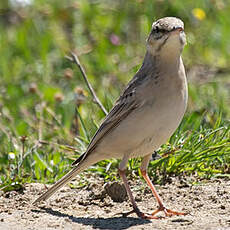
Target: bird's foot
[[139, 214], [168, 212]]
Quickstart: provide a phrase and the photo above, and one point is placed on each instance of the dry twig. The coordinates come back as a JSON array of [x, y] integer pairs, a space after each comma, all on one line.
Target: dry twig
[[75, 60]]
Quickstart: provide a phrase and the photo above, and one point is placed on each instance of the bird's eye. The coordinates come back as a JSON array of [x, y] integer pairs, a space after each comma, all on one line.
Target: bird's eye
[[158, 32], [157, 29]]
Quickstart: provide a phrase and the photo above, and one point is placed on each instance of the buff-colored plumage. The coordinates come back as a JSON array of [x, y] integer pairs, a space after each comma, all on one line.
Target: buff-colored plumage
[[148, 111]]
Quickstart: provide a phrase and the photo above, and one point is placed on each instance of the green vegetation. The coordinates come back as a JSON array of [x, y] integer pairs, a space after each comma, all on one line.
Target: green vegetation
[[40, 90]]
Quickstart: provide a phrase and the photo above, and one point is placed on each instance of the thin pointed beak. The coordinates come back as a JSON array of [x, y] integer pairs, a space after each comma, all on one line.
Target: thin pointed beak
[[177, 29]]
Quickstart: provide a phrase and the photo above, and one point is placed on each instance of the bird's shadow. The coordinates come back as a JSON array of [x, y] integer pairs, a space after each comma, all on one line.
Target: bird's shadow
[[98, 223]]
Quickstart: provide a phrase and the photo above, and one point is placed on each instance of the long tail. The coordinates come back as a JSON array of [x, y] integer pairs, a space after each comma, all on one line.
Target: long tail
[[76, 170]]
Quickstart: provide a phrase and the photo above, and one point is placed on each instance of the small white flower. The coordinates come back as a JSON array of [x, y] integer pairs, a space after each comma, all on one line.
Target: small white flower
[[11, 156]]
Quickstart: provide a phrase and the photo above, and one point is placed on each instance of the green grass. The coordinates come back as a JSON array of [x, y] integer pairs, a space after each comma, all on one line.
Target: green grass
[[38, 91]]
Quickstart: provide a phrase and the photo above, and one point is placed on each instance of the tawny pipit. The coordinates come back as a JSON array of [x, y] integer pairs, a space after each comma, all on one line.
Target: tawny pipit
[[146, 114]]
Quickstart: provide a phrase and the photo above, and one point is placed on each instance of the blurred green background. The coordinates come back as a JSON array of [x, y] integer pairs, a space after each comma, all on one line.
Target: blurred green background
[[47, 116]]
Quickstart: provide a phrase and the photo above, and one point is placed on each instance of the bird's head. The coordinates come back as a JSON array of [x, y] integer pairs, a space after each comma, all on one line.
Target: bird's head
[[167, 36]]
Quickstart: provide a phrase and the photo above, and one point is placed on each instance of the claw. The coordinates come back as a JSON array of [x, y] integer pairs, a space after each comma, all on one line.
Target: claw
[[140, 214], [168, 212]]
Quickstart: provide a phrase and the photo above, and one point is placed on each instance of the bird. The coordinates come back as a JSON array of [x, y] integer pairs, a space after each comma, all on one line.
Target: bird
[[146, 114]]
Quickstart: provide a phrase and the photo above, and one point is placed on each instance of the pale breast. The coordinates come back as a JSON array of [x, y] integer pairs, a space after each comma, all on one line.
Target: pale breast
[[149, 126]]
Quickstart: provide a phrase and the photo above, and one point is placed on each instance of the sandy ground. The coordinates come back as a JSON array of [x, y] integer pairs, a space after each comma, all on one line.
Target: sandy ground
[[208, 205]]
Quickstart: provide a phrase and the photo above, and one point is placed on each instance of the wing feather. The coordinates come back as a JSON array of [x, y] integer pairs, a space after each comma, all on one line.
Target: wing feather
[[125, 105]]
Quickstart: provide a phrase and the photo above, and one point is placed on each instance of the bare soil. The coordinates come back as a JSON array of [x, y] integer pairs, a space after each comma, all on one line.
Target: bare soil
[[208, 205]]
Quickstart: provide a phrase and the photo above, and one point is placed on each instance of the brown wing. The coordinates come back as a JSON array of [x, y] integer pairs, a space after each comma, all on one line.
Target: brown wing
[[125, 105], [118, 113]]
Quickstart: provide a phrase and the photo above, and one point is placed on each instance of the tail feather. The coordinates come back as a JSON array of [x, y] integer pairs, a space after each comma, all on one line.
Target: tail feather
[[83, 163], [59, 184]]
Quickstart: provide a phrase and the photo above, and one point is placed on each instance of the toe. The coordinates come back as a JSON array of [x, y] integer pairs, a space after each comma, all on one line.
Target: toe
[[169, 212]]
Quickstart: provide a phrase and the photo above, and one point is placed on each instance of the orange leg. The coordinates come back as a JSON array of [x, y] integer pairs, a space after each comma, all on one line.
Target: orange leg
[[162, 207], [135, 208]]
